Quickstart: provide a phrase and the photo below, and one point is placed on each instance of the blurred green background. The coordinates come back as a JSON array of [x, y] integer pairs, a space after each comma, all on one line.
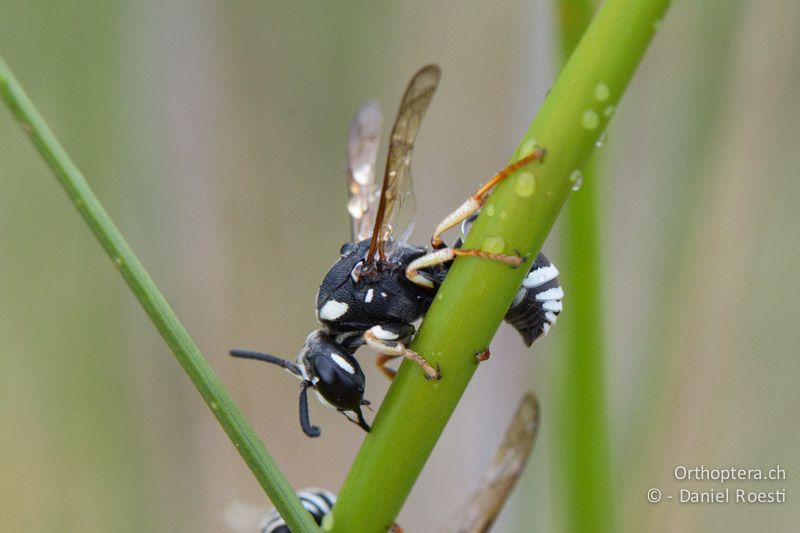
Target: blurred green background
[[214, 134]]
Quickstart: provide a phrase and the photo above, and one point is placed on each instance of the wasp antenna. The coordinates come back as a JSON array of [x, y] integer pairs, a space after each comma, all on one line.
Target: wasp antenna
[[267, 358], [305, 423]]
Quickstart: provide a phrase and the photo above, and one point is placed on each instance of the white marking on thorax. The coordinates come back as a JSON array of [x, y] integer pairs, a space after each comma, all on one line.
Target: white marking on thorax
[[540, 276], [342, 363], [556, 293], [383, 295], [384, 335], [368, 297], [332, 310]]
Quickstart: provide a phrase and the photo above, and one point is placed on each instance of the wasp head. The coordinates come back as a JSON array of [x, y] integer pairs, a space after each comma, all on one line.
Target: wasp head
[[334, 374]]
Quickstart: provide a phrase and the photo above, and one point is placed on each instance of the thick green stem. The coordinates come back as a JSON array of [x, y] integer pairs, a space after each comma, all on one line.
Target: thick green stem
[[473, 300], [582, 462], [155, 305]]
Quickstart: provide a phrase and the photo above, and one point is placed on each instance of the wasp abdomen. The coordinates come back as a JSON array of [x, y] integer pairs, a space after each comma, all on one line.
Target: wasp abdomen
[[538, 301]]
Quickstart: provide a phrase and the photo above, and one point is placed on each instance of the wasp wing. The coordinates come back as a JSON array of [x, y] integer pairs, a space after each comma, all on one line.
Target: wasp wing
[[237, 516], [396, 208], [362, 152], [479, 513]]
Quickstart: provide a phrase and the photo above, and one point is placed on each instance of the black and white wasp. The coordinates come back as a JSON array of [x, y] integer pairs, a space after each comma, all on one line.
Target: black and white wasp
[[318, 502], [381, 285]]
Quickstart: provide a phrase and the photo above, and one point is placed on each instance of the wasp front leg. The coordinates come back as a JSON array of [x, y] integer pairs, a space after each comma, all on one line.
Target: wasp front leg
[[445, 255], [476, 201], [390, 340]]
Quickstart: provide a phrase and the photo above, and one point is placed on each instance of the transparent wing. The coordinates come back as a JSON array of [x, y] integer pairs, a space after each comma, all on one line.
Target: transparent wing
[[396, 208], [362, 152], [479, 512], [237, 516]]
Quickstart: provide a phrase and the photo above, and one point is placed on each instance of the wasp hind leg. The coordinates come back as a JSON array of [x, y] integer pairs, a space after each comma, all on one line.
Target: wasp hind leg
[[445, 255], [381, 364], [390, 341], [475, 202]]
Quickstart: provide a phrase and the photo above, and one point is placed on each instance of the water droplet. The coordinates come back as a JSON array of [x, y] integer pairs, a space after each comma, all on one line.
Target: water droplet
[[608, 111], [118, 262], [355, 207], [657, 25], [489, 209], [527, 148], [590, 120], [602, 92], [601, 140], [493, 245], [503, 214], [576, 178], [525, 184], [362, 173]]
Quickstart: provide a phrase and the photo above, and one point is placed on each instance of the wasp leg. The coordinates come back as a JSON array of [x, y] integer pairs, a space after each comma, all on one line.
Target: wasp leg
[[385, 370], [444, 255], [475, 201], [389, 343]]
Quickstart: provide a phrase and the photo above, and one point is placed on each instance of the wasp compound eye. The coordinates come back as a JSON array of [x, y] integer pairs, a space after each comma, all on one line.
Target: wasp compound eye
[[341, 380]]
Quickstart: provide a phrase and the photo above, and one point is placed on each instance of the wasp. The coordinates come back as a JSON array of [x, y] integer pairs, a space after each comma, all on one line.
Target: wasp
[[381, 285]]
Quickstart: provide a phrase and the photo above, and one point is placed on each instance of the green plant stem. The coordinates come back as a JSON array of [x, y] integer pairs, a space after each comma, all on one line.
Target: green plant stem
[[582, 456], [473, 300], [155, 305]]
